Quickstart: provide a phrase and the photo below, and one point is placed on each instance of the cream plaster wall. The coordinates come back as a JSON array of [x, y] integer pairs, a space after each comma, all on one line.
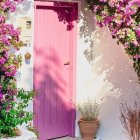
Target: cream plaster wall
[[103, 72]]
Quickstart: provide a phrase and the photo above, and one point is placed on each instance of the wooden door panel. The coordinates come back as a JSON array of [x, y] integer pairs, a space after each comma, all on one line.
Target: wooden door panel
[[54, 46]]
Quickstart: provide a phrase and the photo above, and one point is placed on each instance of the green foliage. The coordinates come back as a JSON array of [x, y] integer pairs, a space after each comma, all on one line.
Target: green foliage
[[17, 115]]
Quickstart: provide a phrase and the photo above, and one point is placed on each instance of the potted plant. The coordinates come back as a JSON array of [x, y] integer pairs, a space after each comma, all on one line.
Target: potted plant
[[88, 123]]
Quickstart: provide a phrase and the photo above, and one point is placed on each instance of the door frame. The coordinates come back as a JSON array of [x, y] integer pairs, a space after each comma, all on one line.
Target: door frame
[[74, 56]]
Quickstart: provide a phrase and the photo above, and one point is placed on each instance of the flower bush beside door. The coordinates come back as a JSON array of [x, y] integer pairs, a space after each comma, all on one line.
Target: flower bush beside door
[[11, 112], [122, 17]]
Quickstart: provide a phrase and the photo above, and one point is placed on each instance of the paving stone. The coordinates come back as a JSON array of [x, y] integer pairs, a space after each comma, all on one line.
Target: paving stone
[[68, 138]]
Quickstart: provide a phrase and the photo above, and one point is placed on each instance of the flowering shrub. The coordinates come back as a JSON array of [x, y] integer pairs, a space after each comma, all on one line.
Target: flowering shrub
[[123, 20], [11, 112]]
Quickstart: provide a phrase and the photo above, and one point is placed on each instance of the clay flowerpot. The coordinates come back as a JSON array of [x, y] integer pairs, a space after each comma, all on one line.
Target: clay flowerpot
[[27, 56], [17, 132], [88, 129]]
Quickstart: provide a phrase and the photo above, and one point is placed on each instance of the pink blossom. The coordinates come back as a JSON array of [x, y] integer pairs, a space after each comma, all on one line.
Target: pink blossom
[[137, 56], [138, 32], [100, 24], [135, 42], [12, 8], [8, 108], [112, 2], [1, 95], [103, 0], [10, 5], [2, 19], [108, 19], [0, 87], [5, 40], [2, 61]]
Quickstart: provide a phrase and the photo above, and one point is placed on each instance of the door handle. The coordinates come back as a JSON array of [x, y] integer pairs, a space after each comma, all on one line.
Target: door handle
[[67, 63]]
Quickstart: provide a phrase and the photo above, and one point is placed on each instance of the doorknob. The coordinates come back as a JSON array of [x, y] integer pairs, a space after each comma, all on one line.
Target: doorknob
[[67, 63]]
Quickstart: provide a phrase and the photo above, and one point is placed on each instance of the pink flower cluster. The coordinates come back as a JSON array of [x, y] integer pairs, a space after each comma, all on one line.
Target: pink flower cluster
[[2, 19], [9, 5], [9, 70], [7, 33], [122, 17], [9, 63]]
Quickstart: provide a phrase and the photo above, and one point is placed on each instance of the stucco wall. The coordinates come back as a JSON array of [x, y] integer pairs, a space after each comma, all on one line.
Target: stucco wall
[[25, 73], [103, 72]]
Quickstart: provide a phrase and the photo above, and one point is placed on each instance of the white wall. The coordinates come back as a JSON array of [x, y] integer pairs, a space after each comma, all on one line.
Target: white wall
[[103, 72], [25, 73], [106, 75]]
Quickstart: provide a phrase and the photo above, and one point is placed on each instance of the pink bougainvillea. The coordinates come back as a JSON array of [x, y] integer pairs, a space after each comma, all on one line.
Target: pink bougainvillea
[[9, 5], [122, 17], [9, 38], [10, 110]]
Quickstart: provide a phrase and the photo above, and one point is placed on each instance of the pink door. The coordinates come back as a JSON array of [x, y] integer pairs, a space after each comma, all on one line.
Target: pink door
[[54, 68]]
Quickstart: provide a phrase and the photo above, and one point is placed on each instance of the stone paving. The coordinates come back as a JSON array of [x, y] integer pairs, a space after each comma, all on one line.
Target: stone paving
[[64, 138], [68, 138]]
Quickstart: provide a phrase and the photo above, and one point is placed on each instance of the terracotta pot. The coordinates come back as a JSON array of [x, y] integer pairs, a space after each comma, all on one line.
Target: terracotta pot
[[88, 129], [27, 56], [17, 132]]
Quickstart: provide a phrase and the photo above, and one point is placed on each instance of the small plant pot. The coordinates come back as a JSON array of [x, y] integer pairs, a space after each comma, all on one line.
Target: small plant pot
[[88, 129], [17, 132]]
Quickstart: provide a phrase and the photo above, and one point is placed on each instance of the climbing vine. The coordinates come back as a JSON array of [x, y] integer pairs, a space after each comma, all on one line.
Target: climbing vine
[[122, 17], [12, 112]]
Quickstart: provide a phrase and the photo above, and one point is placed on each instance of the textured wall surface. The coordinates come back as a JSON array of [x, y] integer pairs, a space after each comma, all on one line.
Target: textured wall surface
[[25, 73], [104, 72]]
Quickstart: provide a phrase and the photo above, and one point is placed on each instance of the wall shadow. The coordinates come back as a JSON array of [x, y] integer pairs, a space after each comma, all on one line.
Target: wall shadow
[[112, 78], [67, 14], [87, 30], [119, 79]]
